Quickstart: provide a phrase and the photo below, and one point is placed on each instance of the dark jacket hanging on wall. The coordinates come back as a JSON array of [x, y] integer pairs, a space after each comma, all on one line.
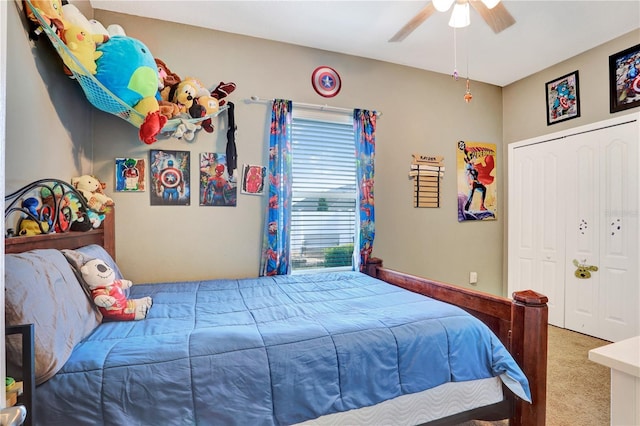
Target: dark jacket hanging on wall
[[232, 154]]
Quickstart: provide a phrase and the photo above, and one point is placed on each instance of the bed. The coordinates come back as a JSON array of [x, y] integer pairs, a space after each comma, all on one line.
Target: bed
[[332, 348]]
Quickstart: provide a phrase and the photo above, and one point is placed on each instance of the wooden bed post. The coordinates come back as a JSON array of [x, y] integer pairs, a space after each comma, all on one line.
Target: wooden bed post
[[371, 267], [109, 227], [529, 349]]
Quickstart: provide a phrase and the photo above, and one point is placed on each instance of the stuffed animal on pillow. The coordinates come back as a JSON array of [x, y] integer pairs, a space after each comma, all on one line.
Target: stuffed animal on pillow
[[93, 192], [108, 293]]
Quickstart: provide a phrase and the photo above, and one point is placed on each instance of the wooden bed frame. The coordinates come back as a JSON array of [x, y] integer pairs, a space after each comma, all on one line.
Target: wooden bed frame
[[520, 324]]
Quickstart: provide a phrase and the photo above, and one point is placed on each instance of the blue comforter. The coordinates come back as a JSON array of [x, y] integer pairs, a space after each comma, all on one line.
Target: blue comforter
[[269, 351]]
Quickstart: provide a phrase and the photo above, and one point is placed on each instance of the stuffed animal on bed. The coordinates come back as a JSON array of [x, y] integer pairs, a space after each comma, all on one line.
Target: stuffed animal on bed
[[108, 293]]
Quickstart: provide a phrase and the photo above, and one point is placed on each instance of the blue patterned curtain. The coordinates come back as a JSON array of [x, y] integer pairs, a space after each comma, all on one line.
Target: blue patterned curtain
[[275, 245], [364, 126]]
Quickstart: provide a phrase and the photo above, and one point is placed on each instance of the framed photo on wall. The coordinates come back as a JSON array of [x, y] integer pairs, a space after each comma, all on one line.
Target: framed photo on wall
[[130, 173], [217, 187], [624, 79], [169, 172], [563, 98]]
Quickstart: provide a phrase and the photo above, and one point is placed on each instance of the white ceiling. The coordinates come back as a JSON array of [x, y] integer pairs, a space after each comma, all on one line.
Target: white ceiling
[[545, 32]]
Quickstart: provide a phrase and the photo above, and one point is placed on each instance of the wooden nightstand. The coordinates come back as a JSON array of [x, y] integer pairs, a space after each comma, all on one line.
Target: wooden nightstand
[[13, 392], [28, 384]]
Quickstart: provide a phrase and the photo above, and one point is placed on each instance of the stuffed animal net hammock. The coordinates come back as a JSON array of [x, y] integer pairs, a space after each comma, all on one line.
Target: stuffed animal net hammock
[[97, 94]]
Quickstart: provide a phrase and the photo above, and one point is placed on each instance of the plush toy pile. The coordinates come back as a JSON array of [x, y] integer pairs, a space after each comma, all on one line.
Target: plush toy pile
[[188, 99], [128, 69], [73, 213]]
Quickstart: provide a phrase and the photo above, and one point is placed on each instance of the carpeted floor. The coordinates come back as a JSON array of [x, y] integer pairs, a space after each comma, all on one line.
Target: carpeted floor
[[578, 390]]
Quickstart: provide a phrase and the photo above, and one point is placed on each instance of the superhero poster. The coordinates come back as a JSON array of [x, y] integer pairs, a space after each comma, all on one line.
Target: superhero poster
[[169, 177], [217, 187], [477, 187], [253, 179], [130, 173]]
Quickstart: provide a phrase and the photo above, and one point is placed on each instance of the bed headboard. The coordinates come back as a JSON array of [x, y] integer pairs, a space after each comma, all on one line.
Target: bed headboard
[[103, 236]]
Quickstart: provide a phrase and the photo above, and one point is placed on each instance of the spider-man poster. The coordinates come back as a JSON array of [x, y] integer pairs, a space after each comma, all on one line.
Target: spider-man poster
[[170, 177], [477, 188], [217, 187]]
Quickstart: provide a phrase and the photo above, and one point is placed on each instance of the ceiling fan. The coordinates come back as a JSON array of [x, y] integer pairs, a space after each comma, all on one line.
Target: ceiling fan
[[492, 11]]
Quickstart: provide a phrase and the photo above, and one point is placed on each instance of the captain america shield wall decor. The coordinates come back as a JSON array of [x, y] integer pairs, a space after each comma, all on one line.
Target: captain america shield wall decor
[[326, 81]]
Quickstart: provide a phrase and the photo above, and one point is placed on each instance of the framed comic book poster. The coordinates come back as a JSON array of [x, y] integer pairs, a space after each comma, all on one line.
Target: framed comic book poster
[[624, 79], [563, 98], [253, 179], [130, 174], [169, 177], [477, 187], [217, 187]]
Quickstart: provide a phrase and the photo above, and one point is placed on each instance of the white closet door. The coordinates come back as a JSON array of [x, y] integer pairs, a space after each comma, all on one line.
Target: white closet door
[[602, 230], [575, 196], [582, 192], [536, 230]]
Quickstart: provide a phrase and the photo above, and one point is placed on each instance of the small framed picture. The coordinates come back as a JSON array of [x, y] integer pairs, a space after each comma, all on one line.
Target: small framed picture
[[253, 179], [217, 186], [169, 175], [130, 174], [563, 98], [624, 79]]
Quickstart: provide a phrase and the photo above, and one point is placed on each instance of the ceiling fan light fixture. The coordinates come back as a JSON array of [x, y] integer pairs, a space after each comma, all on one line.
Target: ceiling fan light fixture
[[460, 15], [490, 3], [442, 5]]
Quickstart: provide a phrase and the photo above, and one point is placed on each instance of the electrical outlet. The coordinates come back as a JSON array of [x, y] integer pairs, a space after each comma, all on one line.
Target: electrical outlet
[[473, 278]]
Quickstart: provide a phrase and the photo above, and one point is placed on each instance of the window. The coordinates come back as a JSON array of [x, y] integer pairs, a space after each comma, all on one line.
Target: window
[[323, 210]]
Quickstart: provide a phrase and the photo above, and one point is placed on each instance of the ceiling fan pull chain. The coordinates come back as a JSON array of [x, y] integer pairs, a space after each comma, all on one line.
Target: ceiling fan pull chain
[[467, 95], [455, 56]]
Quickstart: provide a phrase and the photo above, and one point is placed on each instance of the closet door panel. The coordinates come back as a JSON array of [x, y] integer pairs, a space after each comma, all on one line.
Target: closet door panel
[[550, 235], [619, 293], [582, 187], [586, 183], [534, 227]]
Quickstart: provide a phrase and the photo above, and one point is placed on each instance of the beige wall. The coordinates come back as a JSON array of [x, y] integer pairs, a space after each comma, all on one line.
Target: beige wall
[[423, 113], [48, 127], [524, 101]]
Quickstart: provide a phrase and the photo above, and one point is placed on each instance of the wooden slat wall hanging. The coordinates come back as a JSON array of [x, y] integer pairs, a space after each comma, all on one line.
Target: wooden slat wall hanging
[[426, 171]]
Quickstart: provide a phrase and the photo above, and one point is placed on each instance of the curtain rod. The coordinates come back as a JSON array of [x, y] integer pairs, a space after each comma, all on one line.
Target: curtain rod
[[256, 99]]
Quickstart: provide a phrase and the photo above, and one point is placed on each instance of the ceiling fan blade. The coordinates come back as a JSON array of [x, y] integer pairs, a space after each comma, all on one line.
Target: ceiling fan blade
[[422, 16], [498, 18]]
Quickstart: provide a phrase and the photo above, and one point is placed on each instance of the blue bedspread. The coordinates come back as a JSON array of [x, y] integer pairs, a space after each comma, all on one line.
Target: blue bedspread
[[269, 351]]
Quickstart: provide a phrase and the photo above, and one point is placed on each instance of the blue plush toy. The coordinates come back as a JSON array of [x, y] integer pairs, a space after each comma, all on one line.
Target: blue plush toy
[[127, 68]]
